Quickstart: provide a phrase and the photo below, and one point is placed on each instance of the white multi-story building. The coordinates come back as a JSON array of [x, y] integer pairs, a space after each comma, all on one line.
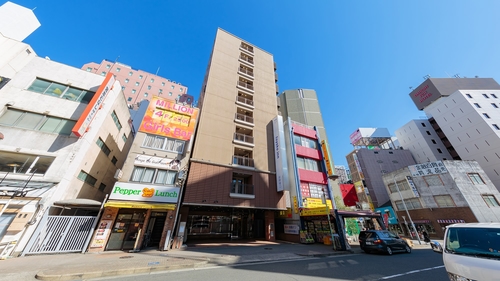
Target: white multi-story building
[[64, 133], [422, 141], [465, 115]]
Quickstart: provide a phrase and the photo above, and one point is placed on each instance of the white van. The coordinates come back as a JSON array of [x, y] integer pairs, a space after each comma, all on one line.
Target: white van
[[471, 251]]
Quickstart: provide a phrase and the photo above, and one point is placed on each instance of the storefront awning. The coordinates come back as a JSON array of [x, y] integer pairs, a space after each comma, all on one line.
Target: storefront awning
[[451, 221], [139, 205], [421, 221]]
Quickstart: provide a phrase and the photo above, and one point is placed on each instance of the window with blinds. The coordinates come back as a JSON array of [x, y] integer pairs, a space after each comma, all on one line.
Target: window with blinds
[[433, 180], [444, 201], [163, 143], [152, 175]]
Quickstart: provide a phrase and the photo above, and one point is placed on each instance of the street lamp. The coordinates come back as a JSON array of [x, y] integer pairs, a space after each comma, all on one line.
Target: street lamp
[[408, 213]]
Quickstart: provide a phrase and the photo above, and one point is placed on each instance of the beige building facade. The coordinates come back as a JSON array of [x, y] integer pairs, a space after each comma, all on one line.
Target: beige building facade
[[231, 187]]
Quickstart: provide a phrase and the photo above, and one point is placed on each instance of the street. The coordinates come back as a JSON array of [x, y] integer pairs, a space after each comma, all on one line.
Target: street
[[421, 264]]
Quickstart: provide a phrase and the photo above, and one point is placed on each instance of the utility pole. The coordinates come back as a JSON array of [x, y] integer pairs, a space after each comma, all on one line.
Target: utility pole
[[408, 213]]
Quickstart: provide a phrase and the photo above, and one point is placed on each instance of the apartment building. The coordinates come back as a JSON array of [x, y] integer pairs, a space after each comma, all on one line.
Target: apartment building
[[231, 190]]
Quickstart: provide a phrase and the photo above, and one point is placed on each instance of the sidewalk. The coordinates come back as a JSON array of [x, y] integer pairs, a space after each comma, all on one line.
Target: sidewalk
[[78, 266]]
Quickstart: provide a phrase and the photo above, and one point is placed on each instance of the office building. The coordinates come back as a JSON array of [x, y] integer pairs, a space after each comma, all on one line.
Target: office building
[[231, 190], [138, 85], [64, 133], [465, 114], [374, 154]]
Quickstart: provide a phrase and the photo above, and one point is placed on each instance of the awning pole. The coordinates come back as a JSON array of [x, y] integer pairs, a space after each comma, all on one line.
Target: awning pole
[[94, 225]]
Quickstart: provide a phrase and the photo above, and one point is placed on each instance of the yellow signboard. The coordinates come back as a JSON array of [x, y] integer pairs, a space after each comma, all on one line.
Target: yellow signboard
[[326, 156], [316, 203], [313, 212], [295, 205]]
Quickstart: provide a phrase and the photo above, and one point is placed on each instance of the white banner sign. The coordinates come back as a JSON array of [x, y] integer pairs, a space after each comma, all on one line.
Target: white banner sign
[[425, 169], [145, 193], [292, 229], [157, 162]]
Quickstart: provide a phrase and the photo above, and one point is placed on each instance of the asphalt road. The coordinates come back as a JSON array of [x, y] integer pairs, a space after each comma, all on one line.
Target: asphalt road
[[421, 264]]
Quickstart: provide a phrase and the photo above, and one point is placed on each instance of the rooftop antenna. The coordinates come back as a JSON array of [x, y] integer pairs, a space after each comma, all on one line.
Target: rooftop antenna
[[33, 9], [157, 71], [427, 76]]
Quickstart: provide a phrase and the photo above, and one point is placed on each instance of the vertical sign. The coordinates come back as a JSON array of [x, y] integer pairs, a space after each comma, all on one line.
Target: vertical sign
[[326, 157], [280, 153], [412, 185]]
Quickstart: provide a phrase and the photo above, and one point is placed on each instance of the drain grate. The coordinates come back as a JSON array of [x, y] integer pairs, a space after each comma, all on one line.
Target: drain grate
[[126, 257]]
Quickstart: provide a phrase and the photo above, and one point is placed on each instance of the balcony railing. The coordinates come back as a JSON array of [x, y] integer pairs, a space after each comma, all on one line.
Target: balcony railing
[[245, 85], [240, 188], [246, 47], [244, 118], [243, 138], [247, 71], [243, 161], [247, 59], [244, 100]]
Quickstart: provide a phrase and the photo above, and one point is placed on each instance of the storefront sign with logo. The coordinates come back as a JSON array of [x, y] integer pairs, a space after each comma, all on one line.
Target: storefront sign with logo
[[313, 212], [292, 229], [144, 193]]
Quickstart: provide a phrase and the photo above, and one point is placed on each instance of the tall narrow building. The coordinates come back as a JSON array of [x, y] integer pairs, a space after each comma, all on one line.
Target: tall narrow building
[[231, 189]]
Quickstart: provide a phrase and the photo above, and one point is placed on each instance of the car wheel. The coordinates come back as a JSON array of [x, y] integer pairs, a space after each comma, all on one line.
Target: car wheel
[[407, 249], [388, 250], [367, 251]]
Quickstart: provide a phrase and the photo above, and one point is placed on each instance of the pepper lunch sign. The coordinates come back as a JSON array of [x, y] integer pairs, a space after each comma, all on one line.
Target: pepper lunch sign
[[141, 192]]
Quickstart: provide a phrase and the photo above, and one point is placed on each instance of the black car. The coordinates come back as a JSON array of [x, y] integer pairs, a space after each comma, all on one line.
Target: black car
[[382, 241]]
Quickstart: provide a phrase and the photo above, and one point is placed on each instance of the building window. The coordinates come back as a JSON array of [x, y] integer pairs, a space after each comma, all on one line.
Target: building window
[[151, 175], [140, 76], [411, 204], [477, 105], [123, 88], [423, 124], [495, 126], [114, 160], [181, 89], [152, 80], [87, 178], [490, 200], [494, 105], [129, 99], [149, 87], [402, 185], [146, 95], [433, 180], [475, 178], [439, 150], [469, 96], [486, 115], [116, 120], [305, 142], [130, 73], [308, 164], [124, 138], [118, 69], [89, 69], [163, 143], [444, 201], [108, 65], [428, 133], [170, 93], [486, 96], [162, 84], [494, 96], [173, 87], [102, 186], [126, 80], [433, 141], [62, 91], [37, 122], [133, 91], [137, 83], [18, 162], [103, 146], [160, 91]]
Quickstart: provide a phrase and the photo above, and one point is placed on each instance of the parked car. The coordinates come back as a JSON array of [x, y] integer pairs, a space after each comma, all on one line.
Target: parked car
[[382, 241], [471, 251]]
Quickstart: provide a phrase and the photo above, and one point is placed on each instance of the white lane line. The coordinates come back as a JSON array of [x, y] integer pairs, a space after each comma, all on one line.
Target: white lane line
[[410, 272]]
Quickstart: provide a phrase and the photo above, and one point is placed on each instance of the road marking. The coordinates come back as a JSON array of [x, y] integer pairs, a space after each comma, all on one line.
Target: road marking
[[411, 272]]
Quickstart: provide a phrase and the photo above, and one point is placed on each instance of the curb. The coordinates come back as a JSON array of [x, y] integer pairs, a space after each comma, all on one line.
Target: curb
[[115, 272]]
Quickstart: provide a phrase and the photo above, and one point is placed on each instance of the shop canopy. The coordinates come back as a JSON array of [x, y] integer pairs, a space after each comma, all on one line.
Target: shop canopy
[[451, 221], [139, 205]]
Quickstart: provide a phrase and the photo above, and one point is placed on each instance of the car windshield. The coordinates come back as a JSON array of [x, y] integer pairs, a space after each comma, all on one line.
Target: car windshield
[[478, 242]]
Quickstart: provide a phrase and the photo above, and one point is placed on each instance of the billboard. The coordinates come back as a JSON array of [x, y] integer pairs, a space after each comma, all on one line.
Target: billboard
[[430, 168], [326, 157], [280, 154], [144, 192], [83, 123], [167, 118]]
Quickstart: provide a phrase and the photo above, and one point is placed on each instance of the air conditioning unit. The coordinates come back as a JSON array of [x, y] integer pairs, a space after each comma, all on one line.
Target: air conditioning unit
[[118, 174]]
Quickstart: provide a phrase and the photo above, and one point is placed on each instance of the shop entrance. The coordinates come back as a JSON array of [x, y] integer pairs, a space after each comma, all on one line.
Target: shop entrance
[[126, 229], [155, 229]]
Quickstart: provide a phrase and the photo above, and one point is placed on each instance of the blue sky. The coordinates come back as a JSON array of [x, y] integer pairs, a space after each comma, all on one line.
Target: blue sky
[[361, 57]]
